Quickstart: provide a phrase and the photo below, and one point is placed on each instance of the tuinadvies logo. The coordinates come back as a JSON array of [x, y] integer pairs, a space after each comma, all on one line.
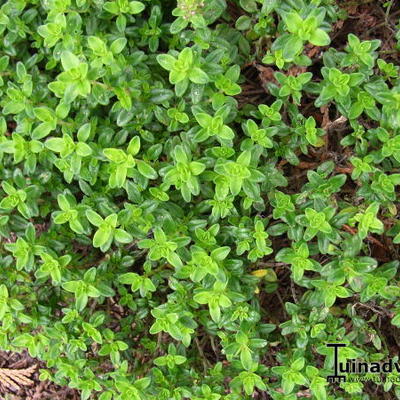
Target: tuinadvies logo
[[353, 366]]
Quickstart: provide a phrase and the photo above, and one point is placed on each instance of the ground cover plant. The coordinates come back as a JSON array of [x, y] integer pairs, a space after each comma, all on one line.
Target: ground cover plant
[[197, 196]]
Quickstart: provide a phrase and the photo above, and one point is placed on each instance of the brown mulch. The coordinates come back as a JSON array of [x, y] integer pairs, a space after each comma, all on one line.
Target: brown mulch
[[36, 390]]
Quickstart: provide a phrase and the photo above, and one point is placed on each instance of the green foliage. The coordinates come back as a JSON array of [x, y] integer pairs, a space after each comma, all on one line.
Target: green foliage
[[169, 231]]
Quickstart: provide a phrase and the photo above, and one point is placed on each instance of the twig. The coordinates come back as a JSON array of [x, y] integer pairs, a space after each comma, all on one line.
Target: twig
[[206, 363], [383, 312], [386, 22], [302, 393], [214, 347], [293, 289], [159, 340], [353, 231], [271, 264], [282, 303], [378, 26], [388, 8], [358, 3]]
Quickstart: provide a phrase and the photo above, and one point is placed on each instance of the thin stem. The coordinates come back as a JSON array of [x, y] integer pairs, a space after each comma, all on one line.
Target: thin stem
[[206, 363]]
